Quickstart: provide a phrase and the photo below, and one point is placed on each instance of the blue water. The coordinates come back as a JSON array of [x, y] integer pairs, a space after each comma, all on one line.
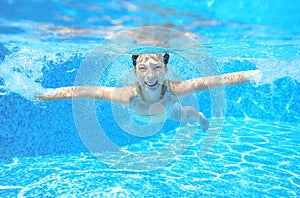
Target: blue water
[[46, 147]]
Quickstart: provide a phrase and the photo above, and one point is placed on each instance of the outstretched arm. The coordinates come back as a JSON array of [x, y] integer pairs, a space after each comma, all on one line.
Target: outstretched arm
[[121, 95], [183, 88]]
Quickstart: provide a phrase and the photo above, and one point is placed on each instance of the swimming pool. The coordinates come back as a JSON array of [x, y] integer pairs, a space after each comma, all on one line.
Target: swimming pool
[[43, 44]]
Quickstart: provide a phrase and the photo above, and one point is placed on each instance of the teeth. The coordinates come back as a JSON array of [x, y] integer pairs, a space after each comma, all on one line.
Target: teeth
[[151, 84]]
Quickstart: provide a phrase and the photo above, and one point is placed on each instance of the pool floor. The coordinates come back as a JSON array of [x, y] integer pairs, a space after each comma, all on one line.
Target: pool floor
[[250, 158]]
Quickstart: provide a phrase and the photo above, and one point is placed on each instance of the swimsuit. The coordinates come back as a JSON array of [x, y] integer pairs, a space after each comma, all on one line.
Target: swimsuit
[[147, 119]]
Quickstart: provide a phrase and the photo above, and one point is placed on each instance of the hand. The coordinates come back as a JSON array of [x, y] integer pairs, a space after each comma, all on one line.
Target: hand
[[40, 97], [49, 94], [203, 121], [254, 75]]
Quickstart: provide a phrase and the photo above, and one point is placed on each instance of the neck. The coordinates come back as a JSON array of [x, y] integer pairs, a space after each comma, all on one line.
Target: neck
[[151, 96]]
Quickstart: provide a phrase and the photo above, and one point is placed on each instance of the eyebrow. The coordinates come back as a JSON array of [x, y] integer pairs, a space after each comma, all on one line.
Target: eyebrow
[[141, 65], [153, 63]]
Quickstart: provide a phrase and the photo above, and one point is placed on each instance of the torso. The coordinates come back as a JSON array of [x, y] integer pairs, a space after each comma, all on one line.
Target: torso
[[162, 105]]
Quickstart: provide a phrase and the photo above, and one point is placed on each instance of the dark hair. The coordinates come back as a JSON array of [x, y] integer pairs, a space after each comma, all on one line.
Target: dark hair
[[166, 59], [134, 57]]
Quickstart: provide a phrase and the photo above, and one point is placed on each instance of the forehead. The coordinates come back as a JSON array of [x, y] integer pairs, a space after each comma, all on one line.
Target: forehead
[[149, 58]]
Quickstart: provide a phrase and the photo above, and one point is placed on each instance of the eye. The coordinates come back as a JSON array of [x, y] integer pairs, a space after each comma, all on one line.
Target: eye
[[157, 67]]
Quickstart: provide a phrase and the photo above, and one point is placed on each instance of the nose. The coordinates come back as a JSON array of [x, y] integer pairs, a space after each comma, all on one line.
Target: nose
[[150, 75]]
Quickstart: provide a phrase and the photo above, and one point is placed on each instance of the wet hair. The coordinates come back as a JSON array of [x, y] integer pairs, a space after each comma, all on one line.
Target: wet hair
[[166, 57]]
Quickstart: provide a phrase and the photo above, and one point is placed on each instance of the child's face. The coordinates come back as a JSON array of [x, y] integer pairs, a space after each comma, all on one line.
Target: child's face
[[150, 71]]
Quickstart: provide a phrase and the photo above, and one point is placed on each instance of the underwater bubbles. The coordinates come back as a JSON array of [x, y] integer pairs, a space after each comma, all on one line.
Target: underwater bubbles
[[22, 71], [273, 69], [20, 75]]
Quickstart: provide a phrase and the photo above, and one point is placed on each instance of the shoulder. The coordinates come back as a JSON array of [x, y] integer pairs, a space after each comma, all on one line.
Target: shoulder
[[126, 92], [175, 86]]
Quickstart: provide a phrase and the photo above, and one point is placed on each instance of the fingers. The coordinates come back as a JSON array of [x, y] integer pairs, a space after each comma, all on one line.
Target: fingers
[[203, 121], [40, 97]]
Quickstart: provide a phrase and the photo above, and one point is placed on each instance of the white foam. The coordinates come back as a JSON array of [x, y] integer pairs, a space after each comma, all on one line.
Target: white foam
[[21, 75], [273, 69], [22, 71]]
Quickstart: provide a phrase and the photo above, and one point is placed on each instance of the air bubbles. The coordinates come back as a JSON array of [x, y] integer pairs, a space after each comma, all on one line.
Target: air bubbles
[[22, 71], [273, 69]]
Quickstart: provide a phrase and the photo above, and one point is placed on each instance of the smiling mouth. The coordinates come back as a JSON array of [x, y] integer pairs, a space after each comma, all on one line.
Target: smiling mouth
[[151, 84]]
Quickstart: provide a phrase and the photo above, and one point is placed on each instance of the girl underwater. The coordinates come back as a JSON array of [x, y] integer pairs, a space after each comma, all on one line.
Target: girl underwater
[[152, 96]]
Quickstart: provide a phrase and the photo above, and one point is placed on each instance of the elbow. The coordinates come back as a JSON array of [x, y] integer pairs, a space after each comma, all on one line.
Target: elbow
[[78, 92]]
